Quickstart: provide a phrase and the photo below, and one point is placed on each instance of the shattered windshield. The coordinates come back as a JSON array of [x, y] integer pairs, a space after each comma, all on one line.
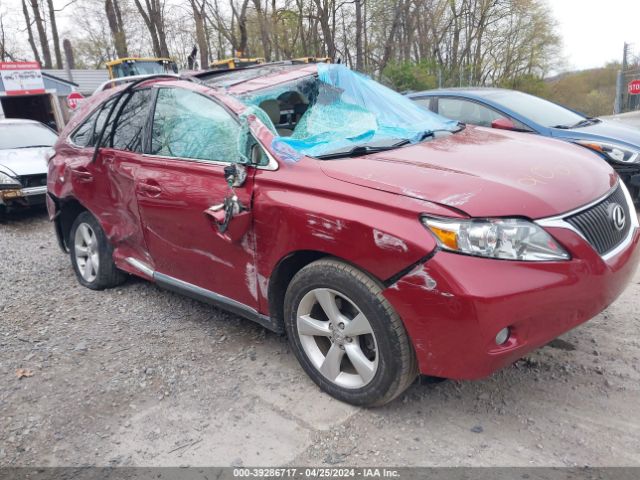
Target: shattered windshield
[[341, 112]]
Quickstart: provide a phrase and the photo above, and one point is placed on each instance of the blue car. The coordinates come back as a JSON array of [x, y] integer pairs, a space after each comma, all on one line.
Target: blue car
[[617, 143]]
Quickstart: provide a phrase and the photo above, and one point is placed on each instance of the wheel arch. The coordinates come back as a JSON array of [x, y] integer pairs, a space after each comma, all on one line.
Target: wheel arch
[[68, 209], [287, 268]]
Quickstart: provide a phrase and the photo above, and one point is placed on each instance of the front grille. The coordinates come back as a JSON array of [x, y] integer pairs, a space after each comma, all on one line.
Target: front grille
[[597, 225], [29, 181]]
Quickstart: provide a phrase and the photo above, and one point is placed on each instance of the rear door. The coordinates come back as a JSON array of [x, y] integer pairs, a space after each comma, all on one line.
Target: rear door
[[105, 186], [192, 139], [119, 159]]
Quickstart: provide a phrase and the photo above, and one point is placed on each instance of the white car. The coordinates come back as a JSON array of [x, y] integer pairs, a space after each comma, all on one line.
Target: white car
[[25, 146]]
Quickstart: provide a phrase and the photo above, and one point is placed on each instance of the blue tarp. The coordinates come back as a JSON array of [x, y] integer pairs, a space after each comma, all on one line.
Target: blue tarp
[[348, 109]]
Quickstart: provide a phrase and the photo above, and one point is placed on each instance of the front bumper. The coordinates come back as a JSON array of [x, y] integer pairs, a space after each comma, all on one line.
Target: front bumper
[[23, 197], [454, 305]]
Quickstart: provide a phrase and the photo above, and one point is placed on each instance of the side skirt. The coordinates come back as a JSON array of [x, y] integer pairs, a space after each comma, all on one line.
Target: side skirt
[[207, 296]]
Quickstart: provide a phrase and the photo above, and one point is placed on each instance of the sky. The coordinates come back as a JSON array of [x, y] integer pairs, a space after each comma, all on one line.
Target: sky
[[594, 31]]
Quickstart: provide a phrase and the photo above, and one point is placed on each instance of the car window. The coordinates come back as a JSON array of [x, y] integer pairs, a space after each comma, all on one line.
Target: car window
[[467, 111], [538, 110], [189, 125], [130, 121], [84, 133], [101, 117], [425, 102]]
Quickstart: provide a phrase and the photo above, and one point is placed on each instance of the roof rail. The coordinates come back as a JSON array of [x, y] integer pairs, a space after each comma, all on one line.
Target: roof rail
[[133, 78]]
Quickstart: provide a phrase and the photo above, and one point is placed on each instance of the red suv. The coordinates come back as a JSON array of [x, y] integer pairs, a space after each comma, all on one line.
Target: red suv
[[384, 240]]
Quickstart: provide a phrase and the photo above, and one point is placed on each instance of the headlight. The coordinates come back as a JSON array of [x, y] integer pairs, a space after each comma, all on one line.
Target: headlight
[[507, 239], [6, 181], [614, 152]]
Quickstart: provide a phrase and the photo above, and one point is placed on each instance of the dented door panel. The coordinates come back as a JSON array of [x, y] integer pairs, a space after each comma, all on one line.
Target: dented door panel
[[183, 238], [105, 188]]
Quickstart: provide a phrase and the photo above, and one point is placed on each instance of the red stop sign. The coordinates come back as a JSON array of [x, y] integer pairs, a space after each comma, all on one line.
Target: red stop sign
[[634, 87], [75, 98]]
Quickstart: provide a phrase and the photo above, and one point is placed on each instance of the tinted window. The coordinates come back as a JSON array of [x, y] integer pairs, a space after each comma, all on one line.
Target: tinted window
[[189, 125], [130, 121], [541, 111], [467, 112], [84, 133], [424, 102], [101, 118], [25, 135]]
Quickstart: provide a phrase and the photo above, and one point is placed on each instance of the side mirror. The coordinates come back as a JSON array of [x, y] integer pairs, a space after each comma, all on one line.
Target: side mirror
[[503, 124]]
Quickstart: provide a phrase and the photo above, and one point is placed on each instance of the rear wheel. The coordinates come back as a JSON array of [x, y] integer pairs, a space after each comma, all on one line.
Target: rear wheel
[[346, 335], [92, 255]]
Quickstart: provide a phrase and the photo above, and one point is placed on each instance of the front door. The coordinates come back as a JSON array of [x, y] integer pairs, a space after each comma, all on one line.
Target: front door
[[192, 139]]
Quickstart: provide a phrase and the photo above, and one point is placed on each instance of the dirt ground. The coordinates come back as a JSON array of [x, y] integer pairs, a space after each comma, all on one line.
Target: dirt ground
[[141, 376]]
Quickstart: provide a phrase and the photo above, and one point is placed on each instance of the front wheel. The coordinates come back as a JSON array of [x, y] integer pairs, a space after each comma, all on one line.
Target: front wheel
[[346, 335]]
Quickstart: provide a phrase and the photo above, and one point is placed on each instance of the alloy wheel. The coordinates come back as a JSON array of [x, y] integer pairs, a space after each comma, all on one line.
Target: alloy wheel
[[86, 252], [337, 338]]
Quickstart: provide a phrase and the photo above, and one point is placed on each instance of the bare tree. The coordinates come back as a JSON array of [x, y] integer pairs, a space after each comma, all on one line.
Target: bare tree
[[32, 42], [116, 26], [4, 53], [153, 15], [359, 45], [197, 6], [54, 34]]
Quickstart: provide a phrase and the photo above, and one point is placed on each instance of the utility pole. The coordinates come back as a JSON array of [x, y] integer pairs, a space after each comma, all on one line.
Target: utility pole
[[618, 106]]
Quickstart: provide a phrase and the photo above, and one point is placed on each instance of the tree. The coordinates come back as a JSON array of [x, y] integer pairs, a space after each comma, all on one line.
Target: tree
[[116, 26], [54, 34], [32, 42], [153, 15], [42, 33], [197, 7]]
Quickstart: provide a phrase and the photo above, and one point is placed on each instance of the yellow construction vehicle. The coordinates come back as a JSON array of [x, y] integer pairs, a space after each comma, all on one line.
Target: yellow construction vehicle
[[311, 60], [235, 62], [130, 66]]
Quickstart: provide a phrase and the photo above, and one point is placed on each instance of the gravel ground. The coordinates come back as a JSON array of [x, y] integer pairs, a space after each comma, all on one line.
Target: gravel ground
[[140, 376]]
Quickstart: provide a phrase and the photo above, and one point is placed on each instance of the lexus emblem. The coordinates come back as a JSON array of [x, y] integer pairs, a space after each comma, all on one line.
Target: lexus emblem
[[616, 213]]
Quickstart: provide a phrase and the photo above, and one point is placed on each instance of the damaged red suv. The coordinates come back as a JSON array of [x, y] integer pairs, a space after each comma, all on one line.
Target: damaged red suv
[[384, 240]]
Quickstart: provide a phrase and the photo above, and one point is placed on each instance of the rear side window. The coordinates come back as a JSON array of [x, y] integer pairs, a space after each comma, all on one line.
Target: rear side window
[[100, 119], [426, 102], [467, 112], [84, 133], [130, 122], [189, 125]]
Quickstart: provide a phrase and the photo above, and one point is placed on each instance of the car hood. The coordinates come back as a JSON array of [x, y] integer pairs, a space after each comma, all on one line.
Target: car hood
[[606, 131], [24, 161], [484, 172]]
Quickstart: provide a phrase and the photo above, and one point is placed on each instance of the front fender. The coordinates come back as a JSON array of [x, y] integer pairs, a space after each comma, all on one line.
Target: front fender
[[376, 231]]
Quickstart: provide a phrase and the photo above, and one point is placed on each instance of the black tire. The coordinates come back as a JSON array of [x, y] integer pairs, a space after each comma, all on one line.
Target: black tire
[[396, 361], [107, 275]]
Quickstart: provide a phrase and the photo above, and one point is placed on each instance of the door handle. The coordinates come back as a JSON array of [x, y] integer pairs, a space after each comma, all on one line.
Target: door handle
[[81, 174], [149, 189]]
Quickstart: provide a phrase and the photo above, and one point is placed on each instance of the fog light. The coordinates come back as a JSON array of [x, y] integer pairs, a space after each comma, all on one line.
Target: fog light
[[502, 336]]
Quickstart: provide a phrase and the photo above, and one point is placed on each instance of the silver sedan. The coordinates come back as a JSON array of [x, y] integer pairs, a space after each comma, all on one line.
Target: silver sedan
[[25, 146]]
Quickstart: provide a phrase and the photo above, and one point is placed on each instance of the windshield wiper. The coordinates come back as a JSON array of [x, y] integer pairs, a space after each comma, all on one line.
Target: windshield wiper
[[34, 146], [582, 123], [587, 121], [361, 150]]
